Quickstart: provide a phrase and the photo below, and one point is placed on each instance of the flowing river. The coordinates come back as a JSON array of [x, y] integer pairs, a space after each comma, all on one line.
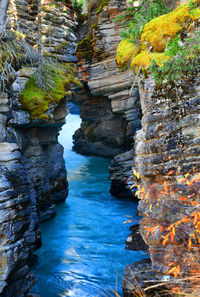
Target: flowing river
[[83, 252]]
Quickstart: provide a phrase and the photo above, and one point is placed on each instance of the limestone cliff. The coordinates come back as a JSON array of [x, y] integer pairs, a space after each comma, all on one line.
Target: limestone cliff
[[33, 176], [167, 151], [168, 142], [110, 114]]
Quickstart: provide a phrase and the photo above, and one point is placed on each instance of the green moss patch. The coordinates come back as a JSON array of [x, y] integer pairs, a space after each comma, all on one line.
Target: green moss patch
[[97, 5], [101, 6], [125, 51], [164, 28], [85, 47], [144, 59], [36, 100]]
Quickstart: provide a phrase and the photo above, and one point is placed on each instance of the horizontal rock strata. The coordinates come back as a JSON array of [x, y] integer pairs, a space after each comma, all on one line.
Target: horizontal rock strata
[[110, 114], [33, 176], [167, 148]]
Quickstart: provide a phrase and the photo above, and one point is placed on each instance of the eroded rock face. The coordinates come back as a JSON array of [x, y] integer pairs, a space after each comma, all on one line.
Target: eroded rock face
[[121, 175], [32, 169], [33, 178], [134, 241], [58, 26], [42, 155], [19, 231], [110, 114], [20, 235], [167, 148]]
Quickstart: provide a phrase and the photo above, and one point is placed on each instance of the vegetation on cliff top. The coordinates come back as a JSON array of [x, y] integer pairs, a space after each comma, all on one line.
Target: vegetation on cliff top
[[77, 6], [87, 47], [183, 63], [50, 82], [138, 14], [158, 37], [56, 83]]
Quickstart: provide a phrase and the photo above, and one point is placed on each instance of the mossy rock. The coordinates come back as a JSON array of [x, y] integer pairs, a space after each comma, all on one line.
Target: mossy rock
[[144, 59], [85, 47], [125, 51], [101, 6], [95, 26], [93, 4], [36, 100], [155, 36], [164, 28], [97, 5]]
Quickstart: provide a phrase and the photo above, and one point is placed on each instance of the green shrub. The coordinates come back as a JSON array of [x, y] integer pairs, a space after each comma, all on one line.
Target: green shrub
[[159, 48], [77, 6], [135, 17], [185, 60]]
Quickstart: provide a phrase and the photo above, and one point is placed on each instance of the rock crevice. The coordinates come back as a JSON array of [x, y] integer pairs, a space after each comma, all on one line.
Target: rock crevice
[[110, 114]]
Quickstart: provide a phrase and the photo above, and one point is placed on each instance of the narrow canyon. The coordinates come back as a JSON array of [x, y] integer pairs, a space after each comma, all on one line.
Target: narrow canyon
[[138, 119]]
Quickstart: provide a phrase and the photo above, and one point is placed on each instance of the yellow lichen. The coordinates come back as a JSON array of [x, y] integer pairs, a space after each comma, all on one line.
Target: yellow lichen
[[125, 51], [144, 59], [164, 28], [155, 36]]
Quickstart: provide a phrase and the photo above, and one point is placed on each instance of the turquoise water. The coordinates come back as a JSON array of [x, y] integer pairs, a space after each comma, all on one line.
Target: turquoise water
[[83, 252]]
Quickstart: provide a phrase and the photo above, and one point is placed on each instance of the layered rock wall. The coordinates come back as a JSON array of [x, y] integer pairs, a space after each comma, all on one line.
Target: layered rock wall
[[110, 114], [167, 149], [33, 178], [33, 175], [58, 25]]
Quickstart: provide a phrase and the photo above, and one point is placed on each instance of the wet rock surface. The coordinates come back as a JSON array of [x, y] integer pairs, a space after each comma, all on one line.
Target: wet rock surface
[[135, 242], [121, 176], [140, 280]]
